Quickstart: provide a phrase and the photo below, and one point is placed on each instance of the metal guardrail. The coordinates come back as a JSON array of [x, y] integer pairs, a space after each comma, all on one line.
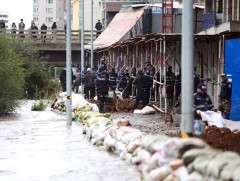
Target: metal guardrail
[[50, 36]]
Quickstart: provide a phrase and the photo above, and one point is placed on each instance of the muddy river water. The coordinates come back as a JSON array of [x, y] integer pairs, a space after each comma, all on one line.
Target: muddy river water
[[38, 146]]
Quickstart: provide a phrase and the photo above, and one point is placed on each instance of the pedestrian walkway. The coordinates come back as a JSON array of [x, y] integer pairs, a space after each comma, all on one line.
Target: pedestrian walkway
[[38, 146]]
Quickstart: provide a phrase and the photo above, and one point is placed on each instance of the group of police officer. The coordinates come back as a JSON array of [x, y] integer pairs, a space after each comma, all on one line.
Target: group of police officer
[[143, 82], [123, 82]]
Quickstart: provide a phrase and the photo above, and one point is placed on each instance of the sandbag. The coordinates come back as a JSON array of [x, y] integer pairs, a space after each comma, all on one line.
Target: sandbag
[[213, 118], [120, 122], [190, 143], [229, 171], [192, 154], [219, 162], [148, 110], [160, 173]]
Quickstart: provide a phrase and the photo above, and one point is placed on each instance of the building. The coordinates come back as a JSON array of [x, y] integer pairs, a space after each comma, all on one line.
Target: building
[[221, 16], [5, 16], [49, 11], [75, 15]]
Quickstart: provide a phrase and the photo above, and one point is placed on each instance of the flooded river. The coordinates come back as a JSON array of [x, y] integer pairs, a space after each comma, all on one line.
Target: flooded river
[[38, 146]]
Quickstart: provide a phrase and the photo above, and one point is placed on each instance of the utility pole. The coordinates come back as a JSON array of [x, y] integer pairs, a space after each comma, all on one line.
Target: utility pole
[[91, 33], [68, 65], [187, 69], [82, 41]]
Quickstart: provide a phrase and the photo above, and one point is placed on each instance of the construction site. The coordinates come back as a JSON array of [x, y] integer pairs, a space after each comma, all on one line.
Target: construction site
[[131, 39], [152, 32]]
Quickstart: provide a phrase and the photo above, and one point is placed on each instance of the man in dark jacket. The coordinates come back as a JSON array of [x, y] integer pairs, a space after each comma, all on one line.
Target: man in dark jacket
[[2, 24], [98, 27], [43, 28], [89, 84], [139, 82], [63, 79], [102, 86], [225, 96]]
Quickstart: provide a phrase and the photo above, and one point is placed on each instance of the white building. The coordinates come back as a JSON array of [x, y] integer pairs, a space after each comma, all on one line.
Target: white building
[[5, 16], [49, 11]]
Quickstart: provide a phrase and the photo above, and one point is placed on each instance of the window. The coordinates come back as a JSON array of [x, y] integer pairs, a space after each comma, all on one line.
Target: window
[[35, 1], [49, 19], [35, 10], [49, 1], [3, 16], [49, 10], [35, 19]]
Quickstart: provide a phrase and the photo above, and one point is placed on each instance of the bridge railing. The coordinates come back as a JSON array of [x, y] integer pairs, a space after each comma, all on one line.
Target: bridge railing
[[50, 36]]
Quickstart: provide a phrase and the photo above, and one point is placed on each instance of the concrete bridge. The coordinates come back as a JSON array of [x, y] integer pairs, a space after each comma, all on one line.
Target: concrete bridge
[[53, 42]]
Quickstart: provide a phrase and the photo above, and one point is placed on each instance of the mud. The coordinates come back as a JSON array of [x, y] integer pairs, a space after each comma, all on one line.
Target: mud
[[222, 138]]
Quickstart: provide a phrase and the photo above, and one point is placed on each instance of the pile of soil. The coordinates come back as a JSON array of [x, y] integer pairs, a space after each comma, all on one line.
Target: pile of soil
[[125, 105], [222, 138]]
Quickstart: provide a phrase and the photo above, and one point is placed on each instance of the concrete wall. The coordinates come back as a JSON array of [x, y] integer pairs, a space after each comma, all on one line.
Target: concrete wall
[[75, 14]]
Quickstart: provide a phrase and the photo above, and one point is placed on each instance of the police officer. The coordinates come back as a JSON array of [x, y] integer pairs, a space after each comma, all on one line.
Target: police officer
[[139, 82], [113, 78], [148, 84], [127, 87], [202, 100], [196, 79], [178, 84], [225, 96], [170, 81], [102, 86], [103, 66], [149, 67]]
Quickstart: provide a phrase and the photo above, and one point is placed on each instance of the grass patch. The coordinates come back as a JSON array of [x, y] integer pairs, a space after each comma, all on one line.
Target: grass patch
[[39, 106]]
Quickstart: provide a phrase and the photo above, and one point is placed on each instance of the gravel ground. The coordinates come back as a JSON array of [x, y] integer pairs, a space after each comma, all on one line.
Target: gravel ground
[[152, 123]]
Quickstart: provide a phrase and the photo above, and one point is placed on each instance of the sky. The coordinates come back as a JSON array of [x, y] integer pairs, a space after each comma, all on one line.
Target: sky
[[18, 9]]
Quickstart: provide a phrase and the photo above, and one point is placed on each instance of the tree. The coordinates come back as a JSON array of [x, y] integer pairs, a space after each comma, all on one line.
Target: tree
[[37, 77], [11, 76]]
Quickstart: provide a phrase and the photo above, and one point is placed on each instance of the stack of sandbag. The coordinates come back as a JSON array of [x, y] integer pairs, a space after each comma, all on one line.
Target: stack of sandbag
[[173, 159], [77, 100], [59, 104], [94, 124], [123, 139]]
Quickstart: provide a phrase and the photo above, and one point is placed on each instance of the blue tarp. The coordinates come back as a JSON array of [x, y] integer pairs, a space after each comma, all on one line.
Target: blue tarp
[[232, 67], [209, 20]]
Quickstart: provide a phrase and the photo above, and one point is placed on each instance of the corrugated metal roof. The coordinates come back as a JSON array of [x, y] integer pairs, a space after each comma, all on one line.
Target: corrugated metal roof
[[121, 24]]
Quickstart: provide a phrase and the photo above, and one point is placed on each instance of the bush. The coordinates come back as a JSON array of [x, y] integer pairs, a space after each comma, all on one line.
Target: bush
[[39, 106]]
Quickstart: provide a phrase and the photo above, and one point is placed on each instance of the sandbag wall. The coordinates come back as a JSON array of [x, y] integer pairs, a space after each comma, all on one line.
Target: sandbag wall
[[157, 157]]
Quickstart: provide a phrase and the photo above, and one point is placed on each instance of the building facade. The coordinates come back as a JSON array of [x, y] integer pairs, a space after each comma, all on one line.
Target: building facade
[[4, 15], [49, 11]]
